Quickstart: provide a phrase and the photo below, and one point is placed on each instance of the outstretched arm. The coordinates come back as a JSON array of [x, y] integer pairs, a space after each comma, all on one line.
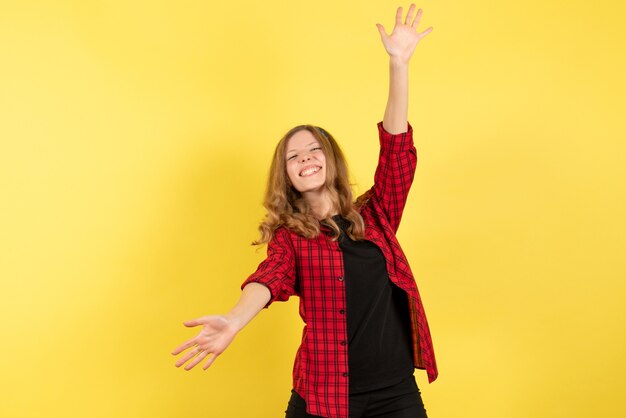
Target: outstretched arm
[[218, 331], [400, 46], [274, 280]]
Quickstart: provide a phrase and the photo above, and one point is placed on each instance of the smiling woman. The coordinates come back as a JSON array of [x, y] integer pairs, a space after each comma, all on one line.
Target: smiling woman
[[306, 165], [365, 328], [308, 183]]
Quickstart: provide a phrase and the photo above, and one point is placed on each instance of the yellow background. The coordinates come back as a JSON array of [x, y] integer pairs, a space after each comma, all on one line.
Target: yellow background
[[135, 142]]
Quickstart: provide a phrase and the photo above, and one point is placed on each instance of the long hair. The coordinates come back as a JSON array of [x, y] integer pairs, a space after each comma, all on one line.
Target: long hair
[[286, 206]]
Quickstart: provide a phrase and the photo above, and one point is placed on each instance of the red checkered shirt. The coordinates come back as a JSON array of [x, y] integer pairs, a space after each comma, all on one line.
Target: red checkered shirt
[[313, 270]]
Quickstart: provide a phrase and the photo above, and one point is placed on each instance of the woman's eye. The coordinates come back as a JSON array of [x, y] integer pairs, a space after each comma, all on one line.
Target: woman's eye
[[291, 158], [316, 148]]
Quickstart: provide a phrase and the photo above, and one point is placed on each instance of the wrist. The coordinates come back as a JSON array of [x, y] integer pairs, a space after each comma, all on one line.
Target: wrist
[[398, 62], [234, 323]]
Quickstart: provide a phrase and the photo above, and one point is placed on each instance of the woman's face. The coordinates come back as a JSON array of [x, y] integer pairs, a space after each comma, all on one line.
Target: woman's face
[[306, 163]]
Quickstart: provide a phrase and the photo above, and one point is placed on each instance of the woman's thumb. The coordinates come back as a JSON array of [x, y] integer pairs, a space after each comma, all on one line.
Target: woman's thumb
[[381, 29], [193, 322]]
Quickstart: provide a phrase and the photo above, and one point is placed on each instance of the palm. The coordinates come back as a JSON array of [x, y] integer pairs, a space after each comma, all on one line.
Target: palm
[[214, 337], [212, 333], [404, 37]]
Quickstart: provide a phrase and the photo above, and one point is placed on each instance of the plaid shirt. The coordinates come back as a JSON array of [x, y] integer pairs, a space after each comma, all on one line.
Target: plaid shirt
[[313, 269]]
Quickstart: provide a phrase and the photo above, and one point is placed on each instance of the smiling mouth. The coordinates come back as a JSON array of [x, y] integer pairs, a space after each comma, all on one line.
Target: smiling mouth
[[310, 171]]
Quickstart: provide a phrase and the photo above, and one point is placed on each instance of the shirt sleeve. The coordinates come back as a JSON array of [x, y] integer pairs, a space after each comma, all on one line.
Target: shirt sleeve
[[394, 174], [278, 271]]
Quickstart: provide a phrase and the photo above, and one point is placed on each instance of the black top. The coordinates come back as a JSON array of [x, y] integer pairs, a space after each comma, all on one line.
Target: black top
[[379, 328]]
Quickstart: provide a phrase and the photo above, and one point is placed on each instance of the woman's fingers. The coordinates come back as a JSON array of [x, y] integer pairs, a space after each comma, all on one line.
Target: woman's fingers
[[426, 32], [417, 19], [194, 322], [399, 16], [189, 355], [210, 361], [184, 346], [200, 356], [409, 15], [382, 31]]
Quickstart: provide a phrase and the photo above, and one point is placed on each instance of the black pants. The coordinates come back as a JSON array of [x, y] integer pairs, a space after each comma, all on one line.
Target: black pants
[[402, 400]]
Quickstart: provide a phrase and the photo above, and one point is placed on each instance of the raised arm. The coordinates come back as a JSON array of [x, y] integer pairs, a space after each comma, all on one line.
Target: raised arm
[[398, 157], [400, 46]]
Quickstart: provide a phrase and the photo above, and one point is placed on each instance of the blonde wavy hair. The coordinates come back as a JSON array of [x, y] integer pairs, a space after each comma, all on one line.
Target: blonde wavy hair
[[286, 206]]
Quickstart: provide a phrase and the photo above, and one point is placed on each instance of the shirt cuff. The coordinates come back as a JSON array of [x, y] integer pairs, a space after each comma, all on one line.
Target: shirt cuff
[[266, 280], [395, 142]]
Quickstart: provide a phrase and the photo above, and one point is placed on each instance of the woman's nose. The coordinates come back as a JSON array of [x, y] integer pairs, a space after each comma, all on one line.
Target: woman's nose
[[305, 157]]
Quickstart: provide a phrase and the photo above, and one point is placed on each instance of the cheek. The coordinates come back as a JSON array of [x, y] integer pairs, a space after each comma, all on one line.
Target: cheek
[[291, 173], [322, 158]]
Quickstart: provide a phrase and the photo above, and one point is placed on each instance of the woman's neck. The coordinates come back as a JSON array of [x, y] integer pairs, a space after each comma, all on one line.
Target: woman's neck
[[320, 204]]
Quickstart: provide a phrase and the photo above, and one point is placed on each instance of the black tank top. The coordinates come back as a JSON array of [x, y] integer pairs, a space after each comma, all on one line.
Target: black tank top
[[379, 329]]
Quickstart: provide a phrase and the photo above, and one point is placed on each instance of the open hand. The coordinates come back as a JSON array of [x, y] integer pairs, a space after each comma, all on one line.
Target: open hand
[[216, 334], [404, 38]]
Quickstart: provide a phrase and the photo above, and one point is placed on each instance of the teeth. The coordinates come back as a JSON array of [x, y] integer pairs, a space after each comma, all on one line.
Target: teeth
[[309, 171]]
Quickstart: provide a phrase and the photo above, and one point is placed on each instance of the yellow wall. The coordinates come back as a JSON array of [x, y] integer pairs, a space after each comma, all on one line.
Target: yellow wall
[[135, 142]]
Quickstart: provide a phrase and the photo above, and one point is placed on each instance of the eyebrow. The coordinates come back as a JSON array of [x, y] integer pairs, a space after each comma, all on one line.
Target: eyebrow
[[292, 150]]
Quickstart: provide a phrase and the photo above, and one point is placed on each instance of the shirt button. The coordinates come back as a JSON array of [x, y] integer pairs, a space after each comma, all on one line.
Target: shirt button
[[345, 374], [340, 278], [343, 343], [341, 311]]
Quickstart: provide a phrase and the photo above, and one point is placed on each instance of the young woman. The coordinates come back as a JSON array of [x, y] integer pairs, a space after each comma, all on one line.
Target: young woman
[[365, 329]]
